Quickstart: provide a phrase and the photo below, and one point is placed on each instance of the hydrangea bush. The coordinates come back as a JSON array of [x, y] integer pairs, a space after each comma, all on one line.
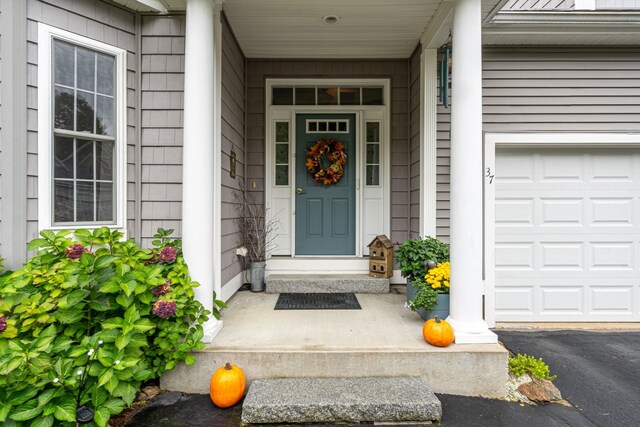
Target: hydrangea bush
[[87, 320]]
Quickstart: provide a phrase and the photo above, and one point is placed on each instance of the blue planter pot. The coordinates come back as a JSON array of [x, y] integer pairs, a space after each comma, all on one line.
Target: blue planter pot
[[441, 309]]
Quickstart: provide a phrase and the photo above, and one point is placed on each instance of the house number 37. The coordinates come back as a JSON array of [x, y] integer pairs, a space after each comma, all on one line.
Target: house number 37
[[489, 175]]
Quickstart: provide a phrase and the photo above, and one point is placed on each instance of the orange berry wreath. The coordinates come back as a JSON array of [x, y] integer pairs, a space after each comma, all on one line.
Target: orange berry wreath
[[334, 150]]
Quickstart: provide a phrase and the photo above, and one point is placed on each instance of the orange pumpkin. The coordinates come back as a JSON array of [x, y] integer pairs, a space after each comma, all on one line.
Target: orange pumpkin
[[437, 332], [227, 386]]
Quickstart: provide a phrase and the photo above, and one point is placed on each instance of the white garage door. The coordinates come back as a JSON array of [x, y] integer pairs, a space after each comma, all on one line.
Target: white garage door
[[567, 234]]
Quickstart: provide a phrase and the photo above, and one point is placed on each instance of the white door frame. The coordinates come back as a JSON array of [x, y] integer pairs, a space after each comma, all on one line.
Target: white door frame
[[495, 140], [275, 112]]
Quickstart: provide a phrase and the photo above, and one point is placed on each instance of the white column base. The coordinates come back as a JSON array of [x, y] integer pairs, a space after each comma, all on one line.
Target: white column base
[[472, 332], [211, 329]]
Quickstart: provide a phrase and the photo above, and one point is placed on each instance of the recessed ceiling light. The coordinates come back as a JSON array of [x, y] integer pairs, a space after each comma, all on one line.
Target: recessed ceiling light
[[330, 19]]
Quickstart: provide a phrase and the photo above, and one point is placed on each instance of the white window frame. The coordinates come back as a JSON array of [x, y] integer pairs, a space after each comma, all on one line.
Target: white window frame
[[46, 34]]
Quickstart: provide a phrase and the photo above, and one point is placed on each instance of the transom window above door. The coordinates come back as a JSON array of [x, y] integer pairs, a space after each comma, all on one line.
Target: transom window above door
[[327, 95]]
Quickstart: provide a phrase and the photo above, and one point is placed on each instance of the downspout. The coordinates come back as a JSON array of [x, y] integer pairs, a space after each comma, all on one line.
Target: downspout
[[409, 201]]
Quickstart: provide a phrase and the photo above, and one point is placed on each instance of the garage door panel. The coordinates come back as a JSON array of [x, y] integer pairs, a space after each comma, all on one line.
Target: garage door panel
[[610, 211], [514, 211], [566, 211], [566, 256], [561, 168], [611, 300], [515, 300], [515, 256], [612, 256], [567, 233], [608, 168], [559, 298]]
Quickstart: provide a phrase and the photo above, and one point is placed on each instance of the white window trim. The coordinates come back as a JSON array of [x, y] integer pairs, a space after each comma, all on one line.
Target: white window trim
[[46, 34]]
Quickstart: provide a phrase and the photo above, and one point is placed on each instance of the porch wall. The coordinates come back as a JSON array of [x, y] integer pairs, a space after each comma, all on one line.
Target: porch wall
[[233, 128], [100, 21], [397, 70], [548, 90], [414, 143]]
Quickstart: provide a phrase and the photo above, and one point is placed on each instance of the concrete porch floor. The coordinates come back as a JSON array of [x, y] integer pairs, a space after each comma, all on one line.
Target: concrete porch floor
[[382, 339]]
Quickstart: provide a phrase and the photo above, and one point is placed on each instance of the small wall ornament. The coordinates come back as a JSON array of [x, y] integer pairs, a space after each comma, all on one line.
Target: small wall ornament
[[335, 153]]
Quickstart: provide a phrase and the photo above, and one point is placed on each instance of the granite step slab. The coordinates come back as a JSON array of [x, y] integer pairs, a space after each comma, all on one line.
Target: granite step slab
[[325, 283], [340, 400]]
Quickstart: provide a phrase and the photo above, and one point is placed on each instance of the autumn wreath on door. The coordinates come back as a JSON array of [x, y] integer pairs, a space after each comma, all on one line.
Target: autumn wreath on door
[[334, 152]]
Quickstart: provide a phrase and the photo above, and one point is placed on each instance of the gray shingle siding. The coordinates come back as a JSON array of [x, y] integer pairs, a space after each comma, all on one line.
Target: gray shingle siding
[[162, 98], [397, 70], [233, 129], [414, 142]]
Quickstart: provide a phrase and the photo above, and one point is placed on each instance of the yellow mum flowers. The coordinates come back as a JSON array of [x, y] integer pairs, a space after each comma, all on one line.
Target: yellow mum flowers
[[439, 276]]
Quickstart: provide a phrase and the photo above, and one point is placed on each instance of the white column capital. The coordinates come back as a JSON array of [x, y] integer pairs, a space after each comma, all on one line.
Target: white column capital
[[466, 177]]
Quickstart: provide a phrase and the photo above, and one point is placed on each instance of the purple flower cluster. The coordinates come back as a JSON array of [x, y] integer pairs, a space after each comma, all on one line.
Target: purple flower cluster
[[168, 255], [164, 308], [161, 289], [75, 251], [3, 324]]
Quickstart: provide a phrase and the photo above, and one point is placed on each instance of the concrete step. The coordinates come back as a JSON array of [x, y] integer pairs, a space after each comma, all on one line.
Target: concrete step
[[340, 400], [298, 283]]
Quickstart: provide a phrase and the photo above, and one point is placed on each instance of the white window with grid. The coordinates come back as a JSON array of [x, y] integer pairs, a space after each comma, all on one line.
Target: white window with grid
[[81, 131]]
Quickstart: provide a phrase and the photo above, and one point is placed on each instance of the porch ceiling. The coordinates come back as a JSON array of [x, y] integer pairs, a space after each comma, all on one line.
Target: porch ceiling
[[295, 28], [366, 29]]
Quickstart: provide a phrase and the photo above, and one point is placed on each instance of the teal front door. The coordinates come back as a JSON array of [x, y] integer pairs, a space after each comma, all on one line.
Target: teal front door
[[325, 213]]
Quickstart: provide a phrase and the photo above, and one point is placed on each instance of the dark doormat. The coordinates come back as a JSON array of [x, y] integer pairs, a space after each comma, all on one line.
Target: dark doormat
[[318, 301]]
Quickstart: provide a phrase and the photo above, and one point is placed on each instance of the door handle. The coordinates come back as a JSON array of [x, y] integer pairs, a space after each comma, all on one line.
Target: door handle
[[299, 191]]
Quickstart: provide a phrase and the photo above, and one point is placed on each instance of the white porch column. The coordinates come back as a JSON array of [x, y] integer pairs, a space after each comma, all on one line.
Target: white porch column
[[467, 177], [200, 152]]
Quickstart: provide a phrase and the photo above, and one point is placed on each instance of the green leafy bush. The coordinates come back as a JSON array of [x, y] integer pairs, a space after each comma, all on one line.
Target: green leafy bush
[[84, 322], [412, 254], [524, 364]]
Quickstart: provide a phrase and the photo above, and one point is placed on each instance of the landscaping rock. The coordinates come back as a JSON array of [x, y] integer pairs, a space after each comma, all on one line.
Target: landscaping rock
[[151, 391], [540, 391], [331, 400]]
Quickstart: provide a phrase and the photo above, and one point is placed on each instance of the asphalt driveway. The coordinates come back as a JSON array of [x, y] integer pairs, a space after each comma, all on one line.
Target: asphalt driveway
[[598, 373]]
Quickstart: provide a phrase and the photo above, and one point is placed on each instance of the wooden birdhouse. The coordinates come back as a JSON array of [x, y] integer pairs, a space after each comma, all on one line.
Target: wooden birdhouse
[[381, 257]]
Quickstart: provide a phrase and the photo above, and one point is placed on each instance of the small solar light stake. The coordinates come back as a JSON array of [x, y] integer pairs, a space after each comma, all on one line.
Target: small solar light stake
[[84, 415]]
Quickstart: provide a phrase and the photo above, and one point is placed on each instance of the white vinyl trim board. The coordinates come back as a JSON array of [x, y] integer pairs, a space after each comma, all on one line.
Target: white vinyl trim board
[[573, 179]]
